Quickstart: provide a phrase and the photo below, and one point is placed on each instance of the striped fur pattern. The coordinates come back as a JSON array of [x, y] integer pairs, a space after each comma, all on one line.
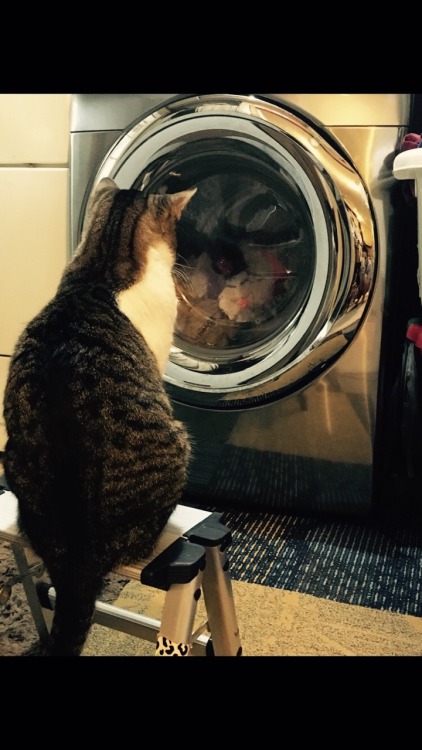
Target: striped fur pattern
[[94, 454]]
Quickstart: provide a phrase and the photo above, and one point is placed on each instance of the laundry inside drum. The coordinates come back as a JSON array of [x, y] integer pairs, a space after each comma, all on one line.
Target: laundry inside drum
[[245, 262]]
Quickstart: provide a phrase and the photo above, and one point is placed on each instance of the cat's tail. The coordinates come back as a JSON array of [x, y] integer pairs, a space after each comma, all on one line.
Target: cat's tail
[[73, 611]]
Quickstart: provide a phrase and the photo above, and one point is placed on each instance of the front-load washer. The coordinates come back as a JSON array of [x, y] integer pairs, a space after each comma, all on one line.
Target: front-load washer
[[280, 353]]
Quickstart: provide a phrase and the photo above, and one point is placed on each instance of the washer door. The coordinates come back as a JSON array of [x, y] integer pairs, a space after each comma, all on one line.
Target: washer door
[[270, 249]]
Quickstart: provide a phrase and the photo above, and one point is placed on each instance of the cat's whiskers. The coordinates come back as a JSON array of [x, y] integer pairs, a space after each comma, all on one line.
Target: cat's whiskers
[[182, 278]]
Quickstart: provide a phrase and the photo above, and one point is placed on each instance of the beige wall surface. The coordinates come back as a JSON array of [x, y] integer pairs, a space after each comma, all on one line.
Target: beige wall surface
[[34, 129], [33, 231], [34, 178]]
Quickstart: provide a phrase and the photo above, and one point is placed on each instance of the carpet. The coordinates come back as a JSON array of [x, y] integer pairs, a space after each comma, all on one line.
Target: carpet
[[273, 622], [302, 586], [374, 563]]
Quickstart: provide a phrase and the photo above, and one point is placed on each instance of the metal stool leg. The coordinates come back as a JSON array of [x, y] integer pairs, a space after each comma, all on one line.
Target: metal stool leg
[[177, 618], [219, 602], [217, 587], [178, 570], [25, 571]]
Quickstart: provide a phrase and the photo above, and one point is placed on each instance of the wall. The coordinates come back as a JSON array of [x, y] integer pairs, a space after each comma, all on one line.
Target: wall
[[34, 179]]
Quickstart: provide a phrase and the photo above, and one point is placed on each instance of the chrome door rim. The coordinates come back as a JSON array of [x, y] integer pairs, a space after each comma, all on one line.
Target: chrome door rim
[[335, 196]]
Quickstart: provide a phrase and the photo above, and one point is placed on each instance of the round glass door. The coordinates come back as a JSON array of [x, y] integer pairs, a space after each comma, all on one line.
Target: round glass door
[[246, 256]]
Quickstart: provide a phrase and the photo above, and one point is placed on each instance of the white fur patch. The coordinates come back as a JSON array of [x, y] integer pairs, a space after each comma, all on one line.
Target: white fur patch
[[151, 304]]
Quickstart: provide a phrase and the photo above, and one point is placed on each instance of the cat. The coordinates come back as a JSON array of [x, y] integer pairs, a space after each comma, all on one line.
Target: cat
[[94, 454]]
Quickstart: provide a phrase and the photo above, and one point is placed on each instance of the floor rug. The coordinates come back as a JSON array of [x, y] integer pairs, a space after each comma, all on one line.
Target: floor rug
[[274, 622], [371, 563]]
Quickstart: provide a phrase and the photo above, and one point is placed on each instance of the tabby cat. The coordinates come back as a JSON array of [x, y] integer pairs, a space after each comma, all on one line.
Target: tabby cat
[[94, 453]]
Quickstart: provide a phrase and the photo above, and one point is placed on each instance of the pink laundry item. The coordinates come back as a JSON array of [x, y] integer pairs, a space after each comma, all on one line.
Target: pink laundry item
[[411, 140], [414, 333]]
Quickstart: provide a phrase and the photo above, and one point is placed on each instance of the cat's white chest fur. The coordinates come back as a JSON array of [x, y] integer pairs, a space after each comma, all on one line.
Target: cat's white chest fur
[[151, 304]]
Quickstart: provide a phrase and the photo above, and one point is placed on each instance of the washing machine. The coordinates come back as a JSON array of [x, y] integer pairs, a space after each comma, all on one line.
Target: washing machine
[[281, 349]]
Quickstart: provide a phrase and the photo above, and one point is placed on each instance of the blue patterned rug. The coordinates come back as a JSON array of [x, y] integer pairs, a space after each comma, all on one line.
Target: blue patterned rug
[[371, 563]]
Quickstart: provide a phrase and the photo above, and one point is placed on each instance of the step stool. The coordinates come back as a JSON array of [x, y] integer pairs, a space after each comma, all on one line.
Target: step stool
[[189, 558]]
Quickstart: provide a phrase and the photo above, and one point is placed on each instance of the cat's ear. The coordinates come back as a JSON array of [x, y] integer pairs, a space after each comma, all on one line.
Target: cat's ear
[[180, 200], [106, 183], [105, 186]]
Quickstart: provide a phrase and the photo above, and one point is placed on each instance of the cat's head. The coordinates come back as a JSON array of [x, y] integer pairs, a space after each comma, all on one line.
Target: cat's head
[[120, 228]]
